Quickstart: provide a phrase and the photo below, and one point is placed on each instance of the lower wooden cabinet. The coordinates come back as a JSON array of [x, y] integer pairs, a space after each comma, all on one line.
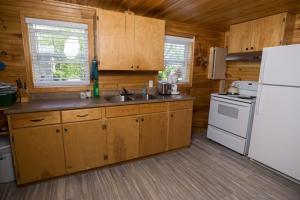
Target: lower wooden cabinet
[[85, 145], [153, 133], [40, 152], [122, 138], [180, 124], [45, 151]]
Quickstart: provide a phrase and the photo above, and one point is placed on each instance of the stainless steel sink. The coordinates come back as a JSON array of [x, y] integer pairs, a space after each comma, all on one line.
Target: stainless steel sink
[[118, 98], [126, 98], [144, 97]]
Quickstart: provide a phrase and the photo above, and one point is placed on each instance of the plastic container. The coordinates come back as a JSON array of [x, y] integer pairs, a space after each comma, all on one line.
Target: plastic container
[[6, 163], [8, 98]]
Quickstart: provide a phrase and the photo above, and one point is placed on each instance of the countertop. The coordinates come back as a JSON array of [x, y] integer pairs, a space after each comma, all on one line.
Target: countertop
[[76, 103]]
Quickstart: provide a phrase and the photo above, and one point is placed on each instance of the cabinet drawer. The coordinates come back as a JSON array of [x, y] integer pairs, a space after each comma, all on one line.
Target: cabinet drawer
[[35, 119], [180, 105], [153, 108], [81, 115], [119, 111]]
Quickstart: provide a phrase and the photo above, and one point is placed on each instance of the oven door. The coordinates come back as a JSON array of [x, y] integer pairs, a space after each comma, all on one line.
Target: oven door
[[229, 115]]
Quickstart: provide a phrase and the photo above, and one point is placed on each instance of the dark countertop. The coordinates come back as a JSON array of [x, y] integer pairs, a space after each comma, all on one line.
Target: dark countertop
[[67, 104]]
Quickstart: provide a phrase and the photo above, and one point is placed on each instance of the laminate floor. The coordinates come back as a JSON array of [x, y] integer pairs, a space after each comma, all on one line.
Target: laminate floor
[[206, 170]]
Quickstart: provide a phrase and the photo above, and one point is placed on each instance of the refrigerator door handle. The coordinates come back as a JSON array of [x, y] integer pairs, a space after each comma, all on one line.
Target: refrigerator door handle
[[263, 66], [259, 92]]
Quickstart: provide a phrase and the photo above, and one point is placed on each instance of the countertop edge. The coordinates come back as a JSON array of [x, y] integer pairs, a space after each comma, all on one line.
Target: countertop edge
[[12, 110]]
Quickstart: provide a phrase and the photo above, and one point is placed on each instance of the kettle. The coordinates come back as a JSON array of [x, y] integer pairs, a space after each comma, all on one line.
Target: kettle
[[164, 88]]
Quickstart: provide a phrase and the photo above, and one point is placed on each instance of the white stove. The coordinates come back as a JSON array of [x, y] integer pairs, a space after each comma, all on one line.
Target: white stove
[[231, 117]]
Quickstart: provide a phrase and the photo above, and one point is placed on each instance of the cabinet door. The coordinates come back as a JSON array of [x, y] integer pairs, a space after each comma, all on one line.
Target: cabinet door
[[85, 145], [39, 152], [116, 37], [180, 124], [153, 133], [268, 31], [149, 43], [122, 138], [240, 37]]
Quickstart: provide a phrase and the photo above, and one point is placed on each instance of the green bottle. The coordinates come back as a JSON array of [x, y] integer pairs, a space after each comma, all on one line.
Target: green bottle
[[96, 88]]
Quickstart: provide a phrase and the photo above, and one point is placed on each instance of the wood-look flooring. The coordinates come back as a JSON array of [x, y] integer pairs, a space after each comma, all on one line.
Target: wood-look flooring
[[206, 170]]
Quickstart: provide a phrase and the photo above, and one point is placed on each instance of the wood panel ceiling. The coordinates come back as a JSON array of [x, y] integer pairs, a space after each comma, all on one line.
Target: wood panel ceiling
[[215, 14]]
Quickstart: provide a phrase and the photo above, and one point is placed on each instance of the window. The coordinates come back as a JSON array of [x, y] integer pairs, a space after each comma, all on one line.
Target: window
[[59, 52], [178, 58]]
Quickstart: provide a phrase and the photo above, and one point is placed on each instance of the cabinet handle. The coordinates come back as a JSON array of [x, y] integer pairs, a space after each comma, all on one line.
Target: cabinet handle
[[57, 130], [66, 129], [104, 126], [142, 119], [137, 120], [172, 115], [37, 120], [131, 66], [247, 49], [252, 48], [83, 115], [137, 66]]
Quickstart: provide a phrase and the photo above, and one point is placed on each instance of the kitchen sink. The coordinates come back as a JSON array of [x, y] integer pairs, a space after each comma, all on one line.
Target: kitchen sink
[[126, 98], [144, 97], [119, 98]]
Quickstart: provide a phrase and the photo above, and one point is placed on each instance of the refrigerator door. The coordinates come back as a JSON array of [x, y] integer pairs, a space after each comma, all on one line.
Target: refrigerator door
[[281, 66], [275, 139]]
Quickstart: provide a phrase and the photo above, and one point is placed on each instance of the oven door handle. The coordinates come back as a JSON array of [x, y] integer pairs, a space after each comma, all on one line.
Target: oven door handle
[[229, 103]]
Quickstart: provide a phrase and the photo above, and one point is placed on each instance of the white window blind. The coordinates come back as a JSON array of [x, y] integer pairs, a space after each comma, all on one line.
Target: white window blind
[[178, 57], [59, 52]]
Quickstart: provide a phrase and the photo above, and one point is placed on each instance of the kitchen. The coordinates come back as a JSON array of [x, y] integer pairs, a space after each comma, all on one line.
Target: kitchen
[[131, 142]]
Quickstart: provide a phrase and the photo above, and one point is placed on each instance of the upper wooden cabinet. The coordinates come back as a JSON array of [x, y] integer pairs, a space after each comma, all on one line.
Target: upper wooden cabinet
[[149, 37], [264, 32], [115, 39], [129, 42]]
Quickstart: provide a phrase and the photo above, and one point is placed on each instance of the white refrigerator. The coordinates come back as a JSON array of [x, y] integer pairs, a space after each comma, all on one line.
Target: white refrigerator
[[275, 139]]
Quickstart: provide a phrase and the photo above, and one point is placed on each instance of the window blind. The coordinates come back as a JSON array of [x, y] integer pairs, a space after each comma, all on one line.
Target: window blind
[[178, 56], [59, 52]]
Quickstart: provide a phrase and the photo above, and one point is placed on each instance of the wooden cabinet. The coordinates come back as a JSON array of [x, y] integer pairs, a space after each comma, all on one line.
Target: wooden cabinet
[[254, 35], [39, 152], [85, 145], [122, 138], [149, 43], [129, 42], [240, 37], [86, 139], [35, 119], [81, 115], [153, 133], [180, 123], [115, 33]]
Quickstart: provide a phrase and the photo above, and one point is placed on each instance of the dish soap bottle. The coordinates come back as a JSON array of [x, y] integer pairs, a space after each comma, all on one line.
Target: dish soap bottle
[[94, 77]]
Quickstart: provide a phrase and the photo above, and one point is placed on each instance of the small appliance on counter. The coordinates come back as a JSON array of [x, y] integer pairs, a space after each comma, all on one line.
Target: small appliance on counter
[[173, 80], [231, 116], [164, 88]]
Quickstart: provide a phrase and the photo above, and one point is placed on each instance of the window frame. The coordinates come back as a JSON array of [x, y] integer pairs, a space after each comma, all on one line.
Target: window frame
[[190, 82], [27, 52]]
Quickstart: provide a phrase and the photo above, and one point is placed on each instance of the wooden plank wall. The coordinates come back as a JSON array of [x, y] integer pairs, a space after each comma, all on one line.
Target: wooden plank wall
[[202, 87], [250, 70], [11, 42]]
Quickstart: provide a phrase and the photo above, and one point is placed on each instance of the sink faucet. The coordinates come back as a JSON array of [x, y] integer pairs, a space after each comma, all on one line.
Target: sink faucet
[[124, 91]]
